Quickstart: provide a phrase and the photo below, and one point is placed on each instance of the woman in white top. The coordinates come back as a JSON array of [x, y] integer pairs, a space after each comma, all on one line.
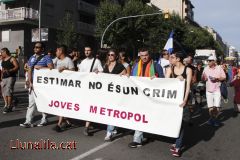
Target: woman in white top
[[123, 59]]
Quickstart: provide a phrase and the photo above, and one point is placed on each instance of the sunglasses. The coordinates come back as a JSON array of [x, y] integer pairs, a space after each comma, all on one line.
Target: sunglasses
[[210, 60], [111, 54]]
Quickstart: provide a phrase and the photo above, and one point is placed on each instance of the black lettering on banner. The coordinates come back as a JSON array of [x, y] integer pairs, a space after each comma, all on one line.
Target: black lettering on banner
[[39, 79], [163, 92], [98, 85], [144, 91], [134, 90], [125, 90], [93, 85], [110, 87], [172, 94], [118, 88], [78, 84], [64, 82], [156, 92], [70, 84], [51, 79], [45, 80]]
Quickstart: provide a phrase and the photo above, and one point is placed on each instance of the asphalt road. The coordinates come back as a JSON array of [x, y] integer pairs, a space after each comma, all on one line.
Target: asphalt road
[[202, 142]]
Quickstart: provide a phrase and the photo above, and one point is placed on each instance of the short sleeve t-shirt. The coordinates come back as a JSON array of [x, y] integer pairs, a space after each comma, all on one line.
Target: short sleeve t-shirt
[[215, 72], [86, 64], [118, 68], [44, 62], [66, 62]]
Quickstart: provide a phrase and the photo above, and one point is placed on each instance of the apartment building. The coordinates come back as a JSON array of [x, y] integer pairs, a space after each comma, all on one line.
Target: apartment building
[[19, 20], [183, 8], [19, 23]]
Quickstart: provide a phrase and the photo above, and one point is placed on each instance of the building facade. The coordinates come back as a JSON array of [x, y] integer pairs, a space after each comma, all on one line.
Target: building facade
[[183, 8], [19, 22]]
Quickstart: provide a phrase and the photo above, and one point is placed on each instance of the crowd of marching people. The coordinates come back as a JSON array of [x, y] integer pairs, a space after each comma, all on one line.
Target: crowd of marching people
[[210, 81]]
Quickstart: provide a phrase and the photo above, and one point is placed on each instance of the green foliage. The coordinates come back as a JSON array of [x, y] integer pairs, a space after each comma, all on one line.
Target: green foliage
[[67, 34], [153, 31]]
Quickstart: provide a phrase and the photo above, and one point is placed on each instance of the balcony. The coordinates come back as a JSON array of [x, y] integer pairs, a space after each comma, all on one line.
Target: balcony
[[18, 14], [86, 7], [85, 28]]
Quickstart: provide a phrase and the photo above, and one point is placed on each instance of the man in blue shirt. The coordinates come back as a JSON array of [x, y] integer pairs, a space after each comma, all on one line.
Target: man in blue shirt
[[38, 61]]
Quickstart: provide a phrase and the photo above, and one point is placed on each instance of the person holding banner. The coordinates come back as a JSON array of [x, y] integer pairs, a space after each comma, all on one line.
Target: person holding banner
[[89, 64], [180, 71], [63, 63], [38, 61], [113, 67], [164, 60], [145, 67]]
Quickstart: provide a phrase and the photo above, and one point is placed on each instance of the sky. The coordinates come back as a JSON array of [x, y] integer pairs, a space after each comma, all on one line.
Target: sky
[[222, 15]]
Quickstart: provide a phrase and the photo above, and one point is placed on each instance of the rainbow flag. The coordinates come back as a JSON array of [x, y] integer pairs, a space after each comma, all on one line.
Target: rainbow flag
[[138, 67]]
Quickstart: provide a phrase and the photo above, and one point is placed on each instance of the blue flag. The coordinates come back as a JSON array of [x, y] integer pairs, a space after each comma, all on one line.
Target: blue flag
[[169, 45]]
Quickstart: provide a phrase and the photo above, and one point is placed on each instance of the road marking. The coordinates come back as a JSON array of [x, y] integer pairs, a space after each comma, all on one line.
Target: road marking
[[91, 151]]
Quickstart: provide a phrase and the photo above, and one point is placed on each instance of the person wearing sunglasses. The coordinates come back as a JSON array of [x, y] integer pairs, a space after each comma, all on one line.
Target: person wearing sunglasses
[[39, 60], [213, 75], [113, 67], [182, 72]]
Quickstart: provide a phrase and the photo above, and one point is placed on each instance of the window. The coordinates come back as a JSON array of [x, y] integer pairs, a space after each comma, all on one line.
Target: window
[[5, 36]]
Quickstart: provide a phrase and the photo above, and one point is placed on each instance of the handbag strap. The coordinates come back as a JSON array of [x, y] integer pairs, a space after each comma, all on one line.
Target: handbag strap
[[92, 64], [38, 59]]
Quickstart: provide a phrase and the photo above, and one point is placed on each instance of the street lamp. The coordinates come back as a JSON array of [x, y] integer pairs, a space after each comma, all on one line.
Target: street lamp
[[135, 16], [39, 19]]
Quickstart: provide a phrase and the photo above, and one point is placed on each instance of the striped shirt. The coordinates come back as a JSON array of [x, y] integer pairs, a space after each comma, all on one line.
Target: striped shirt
[[44, 62]]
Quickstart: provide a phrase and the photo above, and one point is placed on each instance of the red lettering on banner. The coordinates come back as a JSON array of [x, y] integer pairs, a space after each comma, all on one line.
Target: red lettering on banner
[[64, 105], [144, 120], [76, 107], [69, 106], [93, 109], [130, 115], [123, 115], [102, 111], [116, 113], [109, 111], [137, 119], [141, 118]]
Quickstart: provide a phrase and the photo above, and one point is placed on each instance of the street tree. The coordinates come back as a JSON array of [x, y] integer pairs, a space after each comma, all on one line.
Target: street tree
[[67, 33]]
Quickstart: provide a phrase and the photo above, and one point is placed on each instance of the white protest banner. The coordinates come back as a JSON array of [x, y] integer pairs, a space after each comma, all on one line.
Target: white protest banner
[[137, 103]]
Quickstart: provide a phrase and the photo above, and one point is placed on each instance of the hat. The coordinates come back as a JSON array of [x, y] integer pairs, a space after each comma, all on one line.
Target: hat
[[212, 58]]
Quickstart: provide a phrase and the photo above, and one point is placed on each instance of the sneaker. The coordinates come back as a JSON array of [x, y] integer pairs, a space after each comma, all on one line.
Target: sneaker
[[7, 110], [225, 100], [108, 137], [176, 153], [26, 125], [68, 125], [42, 124], [134, 145], [210, 122], [57, 128], [90, 128], [216, 123], [86, 131], [172, 149]]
